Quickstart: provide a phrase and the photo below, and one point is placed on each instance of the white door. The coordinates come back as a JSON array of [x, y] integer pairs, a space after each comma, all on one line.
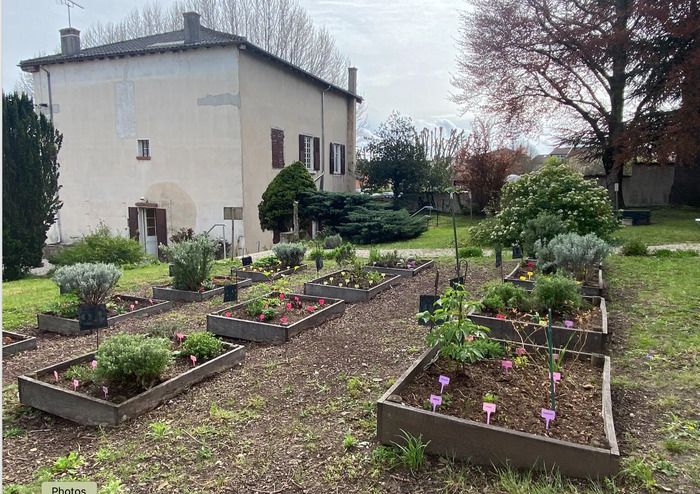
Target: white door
[[147, 224]]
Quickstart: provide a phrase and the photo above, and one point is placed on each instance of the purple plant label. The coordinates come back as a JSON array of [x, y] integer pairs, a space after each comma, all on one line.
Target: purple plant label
[[548, 416], [76, 383], [436, 401], [55, 375], [520, 351], [105, 390], [489, 408], [569, 324], [194, 360], [93, 364], [444, 381], [507, 364]]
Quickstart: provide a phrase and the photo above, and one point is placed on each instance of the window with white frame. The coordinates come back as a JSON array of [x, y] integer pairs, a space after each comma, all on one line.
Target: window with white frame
[[337, 159], [308, 152], [144, 149]]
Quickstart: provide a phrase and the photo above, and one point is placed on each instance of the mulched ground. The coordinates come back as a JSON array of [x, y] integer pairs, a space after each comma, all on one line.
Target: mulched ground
[[521, 395]]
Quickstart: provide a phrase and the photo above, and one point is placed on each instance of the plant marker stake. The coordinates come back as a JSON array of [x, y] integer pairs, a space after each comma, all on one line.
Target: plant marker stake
[[507, 364], [194, 360], [93, 364], [76, 383], [180, 337], [551, 361], [104, 390], [548, 416], [569, 324], [55, 375], [520, 351], [489, 408], [444, 381], [435, 400], [557, 377]]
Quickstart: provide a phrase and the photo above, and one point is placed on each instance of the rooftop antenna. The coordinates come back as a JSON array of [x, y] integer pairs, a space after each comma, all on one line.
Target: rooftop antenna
[[69, 5]]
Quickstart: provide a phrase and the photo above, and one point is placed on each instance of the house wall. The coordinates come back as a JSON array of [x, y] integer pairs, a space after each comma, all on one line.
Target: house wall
[[274, 97], [187, 105], [647, 185]]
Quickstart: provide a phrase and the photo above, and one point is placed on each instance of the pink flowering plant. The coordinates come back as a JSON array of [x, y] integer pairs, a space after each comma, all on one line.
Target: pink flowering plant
[[279, 308]]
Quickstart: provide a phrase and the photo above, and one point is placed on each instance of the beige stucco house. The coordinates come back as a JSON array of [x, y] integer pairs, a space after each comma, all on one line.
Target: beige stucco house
[[166, 131]]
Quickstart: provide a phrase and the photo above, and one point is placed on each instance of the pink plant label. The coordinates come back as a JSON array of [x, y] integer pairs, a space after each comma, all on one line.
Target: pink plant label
[[194, 360], [93, 364], [489, 408], [520, 351], [55, 375], [548, 416], [444, 381], [180, 337], [76, 383], [436, 401], [557, 377], [569, 324], [507, 364], [105, 390]]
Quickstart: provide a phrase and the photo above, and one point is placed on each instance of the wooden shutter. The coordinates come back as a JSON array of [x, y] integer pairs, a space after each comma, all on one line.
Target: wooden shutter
[[342, 159], [277, 139], [317, 153], [302, 147], [134, 223], [331, 161], [161, 227]]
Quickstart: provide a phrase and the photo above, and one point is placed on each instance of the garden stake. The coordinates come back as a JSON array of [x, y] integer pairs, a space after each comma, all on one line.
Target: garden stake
[[454, 231], [551, 358]]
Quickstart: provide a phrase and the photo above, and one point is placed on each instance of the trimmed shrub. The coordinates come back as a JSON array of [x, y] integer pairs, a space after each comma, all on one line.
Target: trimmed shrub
[[556, 292], [275, 210], [543, 228], [576, 255], [192, 261], [133, 358], [367, 226], [290, 255], [635, 248], [470, 251], [90, 282], [583, 206], [332, 241], [101, 246], [203, 345]]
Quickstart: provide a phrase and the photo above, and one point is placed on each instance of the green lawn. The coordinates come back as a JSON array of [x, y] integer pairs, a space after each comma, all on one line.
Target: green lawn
[[438, 237], [668, 226]]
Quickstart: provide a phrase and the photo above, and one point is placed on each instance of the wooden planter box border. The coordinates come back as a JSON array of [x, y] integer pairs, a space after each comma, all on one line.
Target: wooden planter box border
[[173, 294], [256, 276], [581, 340], [243, 329], [88, 410], [350, 295], [586, 290], [405, 272], [25, 343], [71, 327], [483, 444]]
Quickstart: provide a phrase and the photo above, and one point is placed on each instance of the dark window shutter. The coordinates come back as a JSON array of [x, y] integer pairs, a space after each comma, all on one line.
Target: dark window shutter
[[342, 159], [134, 223], [331, 161], [277, 138], [317, 153], [161, 227], [302, 147]]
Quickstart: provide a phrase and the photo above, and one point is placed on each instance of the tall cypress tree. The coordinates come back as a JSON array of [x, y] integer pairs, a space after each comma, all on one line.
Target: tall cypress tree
[[30, 146]]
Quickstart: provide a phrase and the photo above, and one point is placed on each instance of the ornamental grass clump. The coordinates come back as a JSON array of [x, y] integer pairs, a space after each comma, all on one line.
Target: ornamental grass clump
[[202, 345], [290, 255], [125, 359], [90, 282], [191, 260]]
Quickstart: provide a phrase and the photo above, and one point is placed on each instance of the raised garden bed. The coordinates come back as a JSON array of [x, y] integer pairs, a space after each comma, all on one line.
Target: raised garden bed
[[260, 274], [120, 308], [343, 285], [520, 278], [38, 391], [587, 334], [580, 441], [173, 294], [303, 312], [420, 265], [14, 343]]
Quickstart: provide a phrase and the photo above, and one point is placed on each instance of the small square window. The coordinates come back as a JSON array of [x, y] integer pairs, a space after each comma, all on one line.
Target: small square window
[[144, 149]]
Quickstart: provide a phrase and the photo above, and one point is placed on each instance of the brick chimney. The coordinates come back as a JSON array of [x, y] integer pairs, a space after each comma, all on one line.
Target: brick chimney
[[191, 20], [70, 41], [352, 80], [351, 138]]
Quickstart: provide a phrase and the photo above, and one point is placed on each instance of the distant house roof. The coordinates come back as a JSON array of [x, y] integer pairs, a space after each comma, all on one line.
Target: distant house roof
[[172, 41], [539, 159], [560, 151]]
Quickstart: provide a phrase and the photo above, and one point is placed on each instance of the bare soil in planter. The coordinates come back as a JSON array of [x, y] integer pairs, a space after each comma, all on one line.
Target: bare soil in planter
[[347, 279], [588, 317], [298, 309], [521, 394], [120, 393], [9, 340]]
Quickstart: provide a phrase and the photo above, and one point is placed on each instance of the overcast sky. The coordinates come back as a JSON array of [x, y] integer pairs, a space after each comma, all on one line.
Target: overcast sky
[[404, 49]]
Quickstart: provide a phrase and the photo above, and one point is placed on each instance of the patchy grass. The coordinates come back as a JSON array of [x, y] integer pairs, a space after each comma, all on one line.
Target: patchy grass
[[668, 226], [438, 236]]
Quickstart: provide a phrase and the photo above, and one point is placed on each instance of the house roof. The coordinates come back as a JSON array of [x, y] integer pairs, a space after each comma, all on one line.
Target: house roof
[[560, 151], [173, 41]]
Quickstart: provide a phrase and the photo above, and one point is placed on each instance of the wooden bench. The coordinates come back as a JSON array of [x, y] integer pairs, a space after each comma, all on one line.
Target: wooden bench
[[638, 216]]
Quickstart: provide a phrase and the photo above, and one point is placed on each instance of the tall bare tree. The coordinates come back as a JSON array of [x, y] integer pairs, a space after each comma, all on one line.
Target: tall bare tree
[[282, 27]]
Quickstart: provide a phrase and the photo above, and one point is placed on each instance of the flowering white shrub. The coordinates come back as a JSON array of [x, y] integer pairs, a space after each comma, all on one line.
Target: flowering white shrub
[[91, 282]]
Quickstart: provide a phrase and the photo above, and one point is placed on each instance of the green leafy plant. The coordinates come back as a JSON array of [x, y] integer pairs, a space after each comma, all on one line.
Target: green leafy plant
[[65, 306], [332, 241], [556, 292], [158, 430], [164, 329], [542, 228], [133, 358], [90, 282], [203, 345], [577, 255], [349, 441], [373, 277], [267, 262], [345, 254], [290, 255], [82, 372], [67, 464], [490, 398], [635, 247], [101, 246], [412, 452], [192, 261], [504, 296], [470, 251]]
